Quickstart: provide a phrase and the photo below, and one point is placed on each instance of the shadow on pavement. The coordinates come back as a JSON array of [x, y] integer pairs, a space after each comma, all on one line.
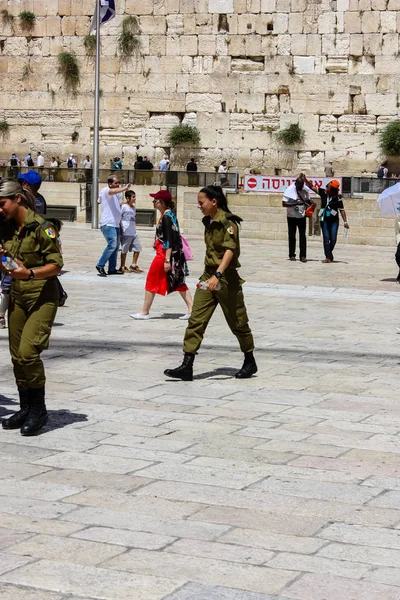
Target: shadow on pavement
[[61, 418]]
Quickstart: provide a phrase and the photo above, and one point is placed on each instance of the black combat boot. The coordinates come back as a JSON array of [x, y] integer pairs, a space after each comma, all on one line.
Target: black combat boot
[[185, 371], [249, 367], [19, 418], [37, 413]]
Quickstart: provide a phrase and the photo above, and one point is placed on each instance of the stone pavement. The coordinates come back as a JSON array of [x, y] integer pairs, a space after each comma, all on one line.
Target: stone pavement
[[286, 486]]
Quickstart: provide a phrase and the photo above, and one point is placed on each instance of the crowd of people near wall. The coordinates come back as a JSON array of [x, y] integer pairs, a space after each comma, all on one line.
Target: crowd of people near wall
[[142, 163]]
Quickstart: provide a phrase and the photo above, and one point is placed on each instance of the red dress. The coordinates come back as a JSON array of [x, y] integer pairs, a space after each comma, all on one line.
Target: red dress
[[157, 278]]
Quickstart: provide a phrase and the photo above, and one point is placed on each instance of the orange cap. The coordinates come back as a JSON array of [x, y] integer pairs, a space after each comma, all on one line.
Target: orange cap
[[334, 183]]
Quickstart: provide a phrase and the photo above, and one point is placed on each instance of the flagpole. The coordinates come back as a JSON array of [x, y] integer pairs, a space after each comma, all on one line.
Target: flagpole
[[95, 181]]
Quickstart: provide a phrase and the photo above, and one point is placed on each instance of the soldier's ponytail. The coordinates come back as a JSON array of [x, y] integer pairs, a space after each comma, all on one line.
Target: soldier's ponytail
[[9, 188], [214, 192]]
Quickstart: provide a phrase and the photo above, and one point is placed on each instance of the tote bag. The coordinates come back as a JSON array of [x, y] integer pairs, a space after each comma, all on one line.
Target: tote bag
[[186, 248]]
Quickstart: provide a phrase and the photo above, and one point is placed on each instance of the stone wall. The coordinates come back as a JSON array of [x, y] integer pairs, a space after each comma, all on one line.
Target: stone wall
[[237, 69]]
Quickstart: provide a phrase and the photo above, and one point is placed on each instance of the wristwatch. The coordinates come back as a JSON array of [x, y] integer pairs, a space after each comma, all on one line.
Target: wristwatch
[[31, 274], [218, 274], [167, 261]]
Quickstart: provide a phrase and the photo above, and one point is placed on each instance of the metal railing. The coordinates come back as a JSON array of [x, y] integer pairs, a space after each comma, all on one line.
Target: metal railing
[[230, 181], [370, 185]]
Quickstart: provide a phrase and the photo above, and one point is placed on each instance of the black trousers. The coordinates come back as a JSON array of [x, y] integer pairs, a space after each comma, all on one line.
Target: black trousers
[[397, 257], [293, 225]]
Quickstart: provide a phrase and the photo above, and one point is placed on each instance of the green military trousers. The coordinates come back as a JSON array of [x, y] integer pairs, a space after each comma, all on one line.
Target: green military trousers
[[230, 298], [30, 319]]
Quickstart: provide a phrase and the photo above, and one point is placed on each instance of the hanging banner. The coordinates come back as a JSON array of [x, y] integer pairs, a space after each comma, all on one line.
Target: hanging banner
[[270, 184]]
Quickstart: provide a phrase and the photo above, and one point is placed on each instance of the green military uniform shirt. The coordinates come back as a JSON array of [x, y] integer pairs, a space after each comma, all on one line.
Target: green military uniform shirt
[[221, 234], [35, 245]]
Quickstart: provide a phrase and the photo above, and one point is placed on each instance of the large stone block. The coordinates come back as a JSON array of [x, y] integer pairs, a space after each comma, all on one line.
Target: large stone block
[[388, 21], [373, 44], [281, 23], [203, 102], [189, 45], [175, 24], [390, 43], [327, 22], [296, 22], [251, 103], [303, 64], [153, 25], [284, 44], [328, 124], [381, 104], [220, 6], [352, 22], [68, 25], [356, 44], [299, 45], [370, 22], [144, 7], [207, 45]]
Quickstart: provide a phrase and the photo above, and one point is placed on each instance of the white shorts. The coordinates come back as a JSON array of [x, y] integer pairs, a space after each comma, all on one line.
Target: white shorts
[[130, 243]]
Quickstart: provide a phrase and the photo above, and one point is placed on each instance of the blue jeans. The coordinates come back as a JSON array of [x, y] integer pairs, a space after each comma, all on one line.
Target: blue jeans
[[110, 253], [329, 232]]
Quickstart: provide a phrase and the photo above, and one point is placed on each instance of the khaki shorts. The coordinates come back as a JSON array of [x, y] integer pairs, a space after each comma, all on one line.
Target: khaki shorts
[[130, 243]]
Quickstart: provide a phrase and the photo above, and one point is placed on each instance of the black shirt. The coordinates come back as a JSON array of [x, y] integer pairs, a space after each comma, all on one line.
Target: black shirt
[[191, 166], [334, 203]]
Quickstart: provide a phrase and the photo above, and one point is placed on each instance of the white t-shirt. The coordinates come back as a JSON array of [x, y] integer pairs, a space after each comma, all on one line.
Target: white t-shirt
[[40, 161], [128, 219], [110, 208], [87, 164], [54, 163], [222, 169]]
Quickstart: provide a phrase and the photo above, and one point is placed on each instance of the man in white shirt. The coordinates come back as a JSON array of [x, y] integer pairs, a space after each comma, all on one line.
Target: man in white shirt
[[87, 163], [40, 161], [111, 199]]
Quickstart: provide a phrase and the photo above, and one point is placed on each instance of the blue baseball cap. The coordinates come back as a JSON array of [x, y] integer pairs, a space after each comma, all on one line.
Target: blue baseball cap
[[31, 178]]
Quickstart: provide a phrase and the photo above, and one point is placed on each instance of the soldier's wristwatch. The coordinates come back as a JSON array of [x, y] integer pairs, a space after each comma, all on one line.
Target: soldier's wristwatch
[[31, 274], [218, 274]]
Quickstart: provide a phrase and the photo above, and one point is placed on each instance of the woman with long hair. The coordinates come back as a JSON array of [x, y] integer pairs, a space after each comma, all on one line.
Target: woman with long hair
[[32, 243], [219, 284], [168, 270]]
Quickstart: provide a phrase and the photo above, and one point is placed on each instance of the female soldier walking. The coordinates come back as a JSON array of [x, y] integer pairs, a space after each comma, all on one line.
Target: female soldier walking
[[221, 264], [33, 244]]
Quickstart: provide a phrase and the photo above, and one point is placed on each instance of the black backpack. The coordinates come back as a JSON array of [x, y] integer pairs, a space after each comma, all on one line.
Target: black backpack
[[14, 162], [70, 164], [30, 162], [381, 172]]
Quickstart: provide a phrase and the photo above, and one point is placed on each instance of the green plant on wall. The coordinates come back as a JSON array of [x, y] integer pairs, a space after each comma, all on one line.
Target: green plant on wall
[[184, 134], [291, 135], [27, 19], [6, 17], [129, 38], [390, 139], [68, 67], [90, 44], [4, 129]]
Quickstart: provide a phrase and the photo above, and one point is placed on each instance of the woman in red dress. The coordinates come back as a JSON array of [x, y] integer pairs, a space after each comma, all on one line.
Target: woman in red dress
[[168, 270]]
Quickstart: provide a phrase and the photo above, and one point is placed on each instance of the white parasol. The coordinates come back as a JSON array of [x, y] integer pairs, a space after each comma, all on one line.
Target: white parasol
[[389, 201]]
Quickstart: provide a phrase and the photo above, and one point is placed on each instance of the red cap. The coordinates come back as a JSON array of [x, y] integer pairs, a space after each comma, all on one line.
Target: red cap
[[163, 195]]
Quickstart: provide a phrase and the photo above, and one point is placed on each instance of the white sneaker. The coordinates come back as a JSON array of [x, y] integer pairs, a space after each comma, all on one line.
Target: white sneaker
[[184, 317], [139, 316]]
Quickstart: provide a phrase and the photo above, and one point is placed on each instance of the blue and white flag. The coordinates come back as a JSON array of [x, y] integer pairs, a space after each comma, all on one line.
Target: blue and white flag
[[107, 12]]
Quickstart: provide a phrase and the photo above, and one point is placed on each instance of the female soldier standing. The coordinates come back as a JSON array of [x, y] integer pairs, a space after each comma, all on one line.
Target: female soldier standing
[[33, 244], [223, 285]]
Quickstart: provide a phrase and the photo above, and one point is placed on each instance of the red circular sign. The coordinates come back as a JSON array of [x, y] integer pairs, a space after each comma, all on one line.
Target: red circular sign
[[252, 182]]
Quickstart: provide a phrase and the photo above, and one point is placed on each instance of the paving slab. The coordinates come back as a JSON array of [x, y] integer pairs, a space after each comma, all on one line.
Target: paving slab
[[284, 486]]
